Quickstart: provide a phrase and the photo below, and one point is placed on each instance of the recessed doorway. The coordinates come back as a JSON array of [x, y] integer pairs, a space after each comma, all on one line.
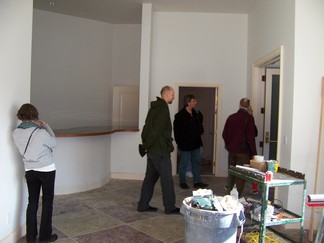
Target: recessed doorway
[[207, 98]]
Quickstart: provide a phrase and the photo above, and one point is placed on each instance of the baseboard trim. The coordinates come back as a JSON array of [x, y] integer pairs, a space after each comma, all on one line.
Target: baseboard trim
[[15, 235], [127, 176]]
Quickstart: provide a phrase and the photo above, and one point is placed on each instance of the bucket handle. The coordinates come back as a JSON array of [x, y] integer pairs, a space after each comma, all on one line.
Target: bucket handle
[[240, 218]]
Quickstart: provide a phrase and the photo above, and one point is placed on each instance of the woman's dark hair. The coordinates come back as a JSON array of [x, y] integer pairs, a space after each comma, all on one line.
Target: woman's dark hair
[[27, 112], [187, 98]]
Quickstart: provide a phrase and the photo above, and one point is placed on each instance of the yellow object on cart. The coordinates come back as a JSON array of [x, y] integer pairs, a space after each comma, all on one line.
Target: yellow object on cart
[[253, 237]]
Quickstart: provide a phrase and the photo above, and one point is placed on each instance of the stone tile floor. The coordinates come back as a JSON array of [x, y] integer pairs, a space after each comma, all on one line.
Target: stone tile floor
[[108, 214]]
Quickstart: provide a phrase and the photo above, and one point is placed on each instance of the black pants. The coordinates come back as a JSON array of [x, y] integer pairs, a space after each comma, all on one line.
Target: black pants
[[158, 167], [35, 182]]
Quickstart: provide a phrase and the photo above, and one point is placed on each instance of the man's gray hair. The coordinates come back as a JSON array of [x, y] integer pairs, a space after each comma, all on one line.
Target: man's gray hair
[[245, 102]]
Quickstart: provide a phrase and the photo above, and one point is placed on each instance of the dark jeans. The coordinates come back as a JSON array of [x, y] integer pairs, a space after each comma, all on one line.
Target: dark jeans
[[237, 159], [158, 167], [185, 157], [35, 182]]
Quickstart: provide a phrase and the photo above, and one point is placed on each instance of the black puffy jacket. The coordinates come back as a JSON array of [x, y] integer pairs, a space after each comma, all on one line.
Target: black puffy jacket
[[188, 129]]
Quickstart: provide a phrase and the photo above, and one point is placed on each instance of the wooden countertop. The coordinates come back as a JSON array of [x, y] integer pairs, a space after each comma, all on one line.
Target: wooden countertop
[[92, 131]]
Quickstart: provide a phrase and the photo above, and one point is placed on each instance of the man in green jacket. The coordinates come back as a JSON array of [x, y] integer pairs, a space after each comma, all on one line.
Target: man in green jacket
[[157, 142]]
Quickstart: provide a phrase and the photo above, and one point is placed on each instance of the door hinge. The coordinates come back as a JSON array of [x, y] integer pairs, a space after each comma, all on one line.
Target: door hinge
[[263, 78], [261, 144], [262, 110]]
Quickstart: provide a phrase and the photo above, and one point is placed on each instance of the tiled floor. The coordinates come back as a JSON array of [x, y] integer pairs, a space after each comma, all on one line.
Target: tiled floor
[[108, 214]]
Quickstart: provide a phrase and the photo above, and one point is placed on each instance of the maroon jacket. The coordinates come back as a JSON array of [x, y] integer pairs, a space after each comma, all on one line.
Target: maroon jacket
[[240, 127]]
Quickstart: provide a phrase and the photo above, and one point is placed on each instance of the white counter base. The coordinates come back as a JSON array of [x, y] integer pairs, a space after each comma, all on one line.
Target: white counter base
[[82, 163]]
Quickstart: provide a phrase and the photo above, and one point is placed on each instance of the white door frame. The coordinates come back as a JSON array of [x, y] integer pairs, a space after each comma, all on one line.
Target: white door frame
[[217, 133], [257, 102]]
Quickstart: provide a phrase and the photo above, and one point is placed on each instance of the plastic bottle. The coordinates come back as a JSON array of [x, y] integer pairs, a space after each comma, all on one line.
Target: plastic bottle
[[234, 193], [276, 166]]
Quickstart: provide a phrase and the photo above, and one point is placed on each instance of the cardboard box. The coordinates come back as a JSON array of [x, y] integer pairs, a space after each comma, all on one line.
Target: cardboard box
[[258, 165]]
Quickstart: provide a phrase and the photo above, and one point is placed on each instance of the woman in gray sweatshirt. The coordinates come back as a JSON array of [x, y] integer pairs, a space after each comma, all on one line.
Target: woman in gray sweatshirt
[[35, 141]]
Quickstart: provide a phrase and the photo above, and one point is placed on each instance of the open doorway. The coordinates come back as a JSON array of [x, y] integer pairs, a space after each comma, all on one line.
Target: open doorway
[[266, 98], [266, 93], [207, 98]]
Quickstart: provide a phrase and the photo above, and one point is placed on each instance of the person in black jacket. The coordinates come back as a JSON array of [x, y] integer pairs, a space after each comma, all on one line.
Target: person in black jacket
[[188, 128]]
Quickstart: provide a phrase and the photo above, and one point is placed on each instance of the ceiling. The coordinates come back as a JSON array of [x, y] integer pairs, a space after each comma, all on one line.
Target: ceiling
[[130, 11]]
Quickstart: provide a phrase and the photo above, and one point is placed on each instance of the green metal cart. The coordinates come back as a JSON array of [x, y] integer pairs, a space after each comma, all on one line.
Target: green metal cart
[[281, 178]]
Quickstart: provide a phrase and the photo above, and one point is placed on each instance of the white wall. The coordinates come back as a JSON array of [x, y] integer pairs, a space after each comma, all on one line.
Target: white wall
[[15, 43], [125, 160], [75, 62], [204, 48], [82, 163], [201, 48], [308, 73], [71, 70], [191, 48], [126, 54], [188, 47], [267, 33], [301, 33]]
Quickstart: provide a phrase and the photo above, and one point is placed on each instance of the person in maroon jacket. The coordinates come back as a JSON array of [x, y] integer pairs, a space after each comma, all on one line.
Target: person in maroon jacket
[[239, 138]]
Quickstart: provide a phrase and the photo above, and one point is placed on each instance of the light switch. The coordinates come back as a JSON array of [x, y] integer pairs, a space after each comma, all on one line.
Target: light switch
[[285, 140]]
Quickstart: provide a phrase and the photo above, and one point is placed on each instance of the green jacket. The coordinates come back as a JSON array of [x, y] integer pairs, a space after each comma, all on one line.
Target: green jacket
[[156, 134]]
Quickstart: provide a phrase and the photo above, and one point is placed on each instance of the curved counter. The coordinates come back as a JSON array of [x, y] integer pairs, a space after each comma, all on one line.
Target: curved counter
[[82, 158], [92, 131]]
